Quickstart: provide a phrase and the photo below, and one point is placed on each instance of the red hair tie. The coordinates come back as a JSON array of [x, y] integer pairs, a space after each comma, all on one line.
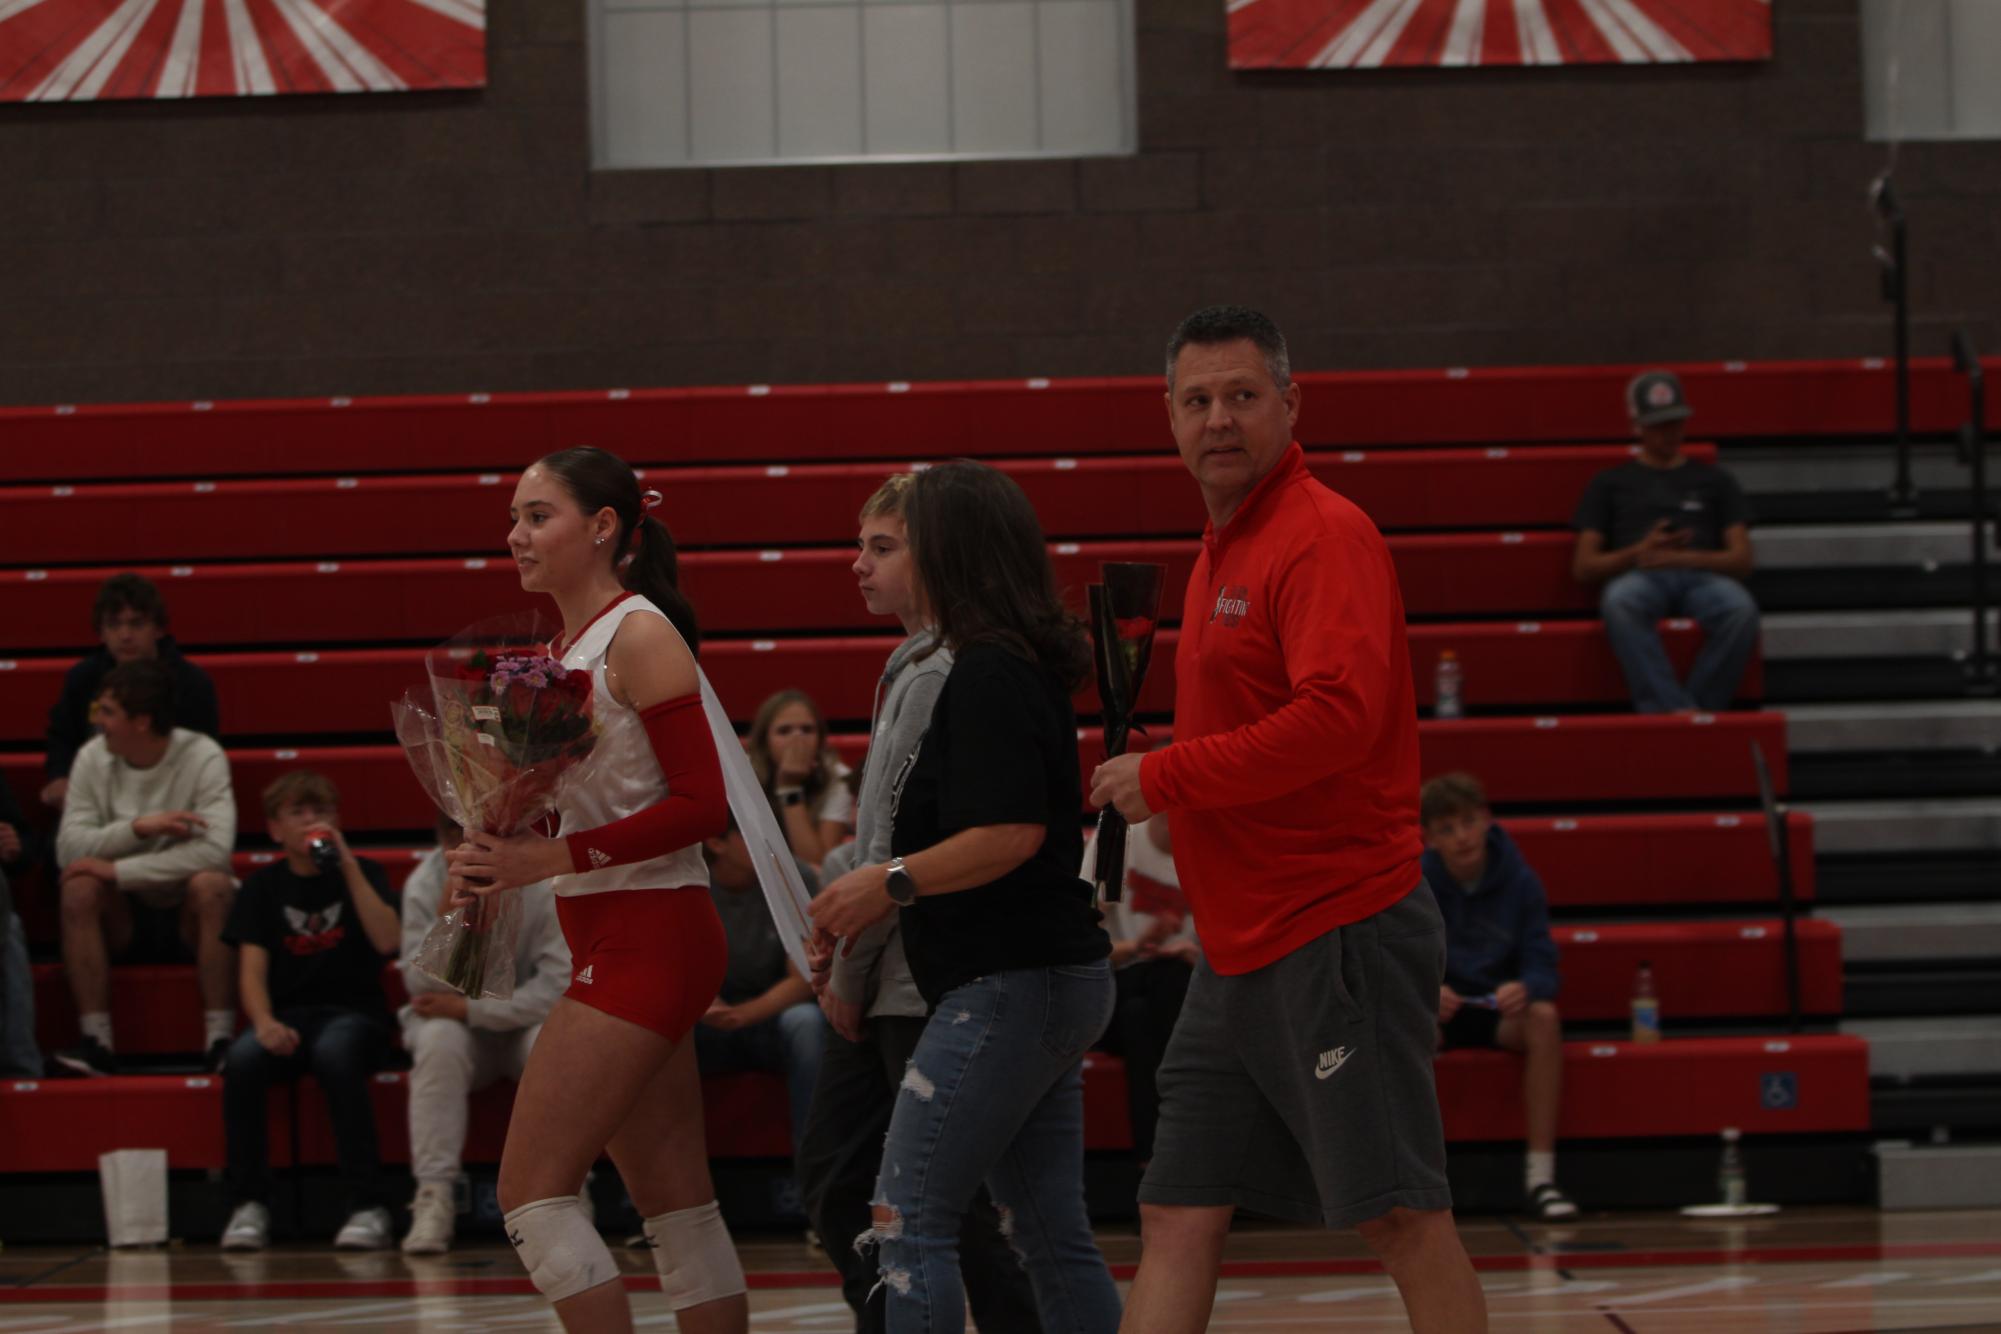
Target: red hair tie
[[650, 499]]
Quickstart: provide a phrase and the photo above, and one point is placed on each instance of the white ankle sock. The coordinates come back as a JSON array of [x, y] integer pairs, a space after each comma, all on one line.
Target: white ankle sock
[[218, 1026], [97, 1026], [1541, 1170]]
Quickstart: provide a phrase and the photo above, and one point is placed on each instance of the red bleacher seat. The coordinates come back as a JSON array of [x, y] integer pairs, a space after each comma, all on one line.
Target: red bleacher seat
[[1662, 860], [1516, 663], [1510, 664], [62, 1125], [327, 602], [736, 592], [466, 513], [1703, 970], [1481, 405], [1684, 1086], [1618, 757], [1612, 1090], [155, 1008]]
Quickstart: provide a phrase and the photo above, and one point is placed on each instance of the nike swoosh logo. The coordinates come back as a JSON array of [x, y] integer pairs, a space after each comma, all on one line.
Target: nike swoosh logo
[[1322, 1070]]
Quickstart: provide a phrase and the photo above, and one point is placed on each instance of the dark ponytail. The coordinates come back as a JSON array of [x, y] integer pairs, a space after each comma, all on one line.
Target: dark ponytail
[[654, 572], [644, 554]]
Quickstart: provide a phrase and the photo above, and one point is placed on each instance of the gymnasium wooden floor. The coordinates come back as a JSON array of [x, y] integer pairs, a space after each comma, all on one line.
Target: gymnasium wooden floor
[[1808, 1271]]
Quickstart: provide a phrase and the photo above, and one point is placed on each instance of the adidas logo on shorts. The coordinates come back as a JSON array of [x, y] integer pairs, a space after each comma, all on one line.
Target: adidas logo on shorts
[[1330, 1061], [585, 976], [599, 857]]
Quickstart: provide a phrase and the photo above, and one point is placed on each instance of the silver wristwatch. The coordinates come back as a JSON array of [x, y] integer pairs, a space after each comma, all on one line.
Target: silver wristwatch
[[902, 889]]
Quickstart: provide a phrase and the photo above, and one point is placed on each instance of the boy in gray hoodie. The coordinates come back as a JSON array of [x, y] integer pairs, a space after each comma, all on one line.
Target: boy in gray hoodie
[[866, 987]]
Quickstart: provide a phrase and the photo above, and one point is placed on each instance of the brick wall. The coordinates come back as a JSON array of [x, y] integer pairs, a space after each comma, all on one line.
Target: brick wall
[[460, 242]]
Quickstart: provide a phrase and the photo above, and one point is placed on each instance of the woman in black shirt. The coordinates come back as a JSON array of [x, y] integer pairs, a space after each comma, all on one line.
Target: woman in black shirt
[[1001, 933]]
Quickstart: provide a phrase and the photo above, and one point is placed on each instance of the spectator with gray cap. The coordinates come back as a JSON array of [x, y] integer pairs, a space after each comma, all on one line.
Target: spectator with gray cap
[[1669, 536]]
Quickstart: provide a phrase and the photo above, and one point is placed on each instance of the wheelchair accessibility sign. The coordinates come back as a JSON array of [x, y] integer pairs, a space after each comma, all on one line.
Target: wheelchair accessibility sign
[[1779, 1091]]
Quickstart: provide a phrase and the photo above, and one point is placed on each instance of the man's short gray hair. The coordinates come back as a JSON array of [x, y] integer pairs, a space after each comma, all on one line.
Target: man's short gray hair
[[1227, 324]]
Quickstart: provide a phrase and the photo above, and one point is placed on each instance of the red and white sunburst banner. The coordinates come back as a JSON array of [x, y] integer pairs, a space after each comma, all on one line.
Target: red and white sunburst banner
[[1365, 34], [96, 50]]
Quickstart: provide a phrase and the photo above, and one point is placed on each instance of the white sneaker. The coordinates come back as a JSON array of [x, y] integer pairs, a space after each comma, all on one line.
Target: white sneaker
[[432, 1218], [365, 1230], [249, 1228]]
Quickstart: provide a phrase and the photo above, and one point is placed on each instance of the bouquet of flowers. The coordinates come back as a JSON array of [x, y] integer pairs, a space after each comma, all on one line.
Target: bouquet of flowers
[[499, 730]]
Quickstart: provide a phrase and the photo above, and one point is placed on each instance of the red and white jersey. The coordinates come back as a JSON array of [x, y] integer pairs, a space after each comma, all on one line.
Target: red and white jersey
[[622, 777]]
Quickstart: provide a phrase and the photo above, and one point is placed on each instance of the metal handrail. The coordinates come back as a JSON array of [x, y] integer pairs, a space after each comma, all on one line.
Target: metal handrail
[[1973, 452], [1780, 840], [1896, 290]]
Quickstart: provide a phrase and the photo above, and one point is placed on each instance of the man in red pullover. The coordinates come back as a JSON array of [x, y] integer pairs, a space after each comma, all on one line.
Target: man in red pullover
[[1298, 1081]]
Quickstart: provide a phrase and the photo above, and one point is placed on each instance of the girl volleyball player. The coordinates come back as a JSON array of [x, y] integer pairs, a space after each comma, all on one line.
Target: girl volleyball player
[[612, 1071]]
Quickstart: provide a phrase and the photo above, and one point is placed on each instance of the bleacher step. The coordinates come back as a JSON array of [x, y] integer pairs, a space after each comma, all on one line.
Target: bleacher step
[[1932, 632], [1794, 469], [1817, 546], [1946, 1176], [1949, 724], [1905, 826], [1949, 875], [1882, 932], [1934, 1047]]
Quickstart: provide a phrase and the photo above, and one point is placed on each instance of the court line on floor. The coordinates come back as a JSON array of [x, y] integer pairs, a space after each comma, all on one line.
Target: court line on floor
[[518, 1285], [53, 1270], [1534, 1247]]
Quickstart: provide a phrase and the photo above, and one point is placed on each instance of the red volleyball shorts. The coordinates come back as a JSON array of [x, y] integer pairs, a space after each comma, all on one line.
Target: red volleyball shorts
[[653, 957]]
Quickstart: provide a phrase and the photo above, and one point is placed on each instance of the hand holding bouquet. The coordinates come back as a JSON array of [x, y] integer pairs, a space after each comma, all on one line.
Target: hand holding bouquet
[[499, 730]]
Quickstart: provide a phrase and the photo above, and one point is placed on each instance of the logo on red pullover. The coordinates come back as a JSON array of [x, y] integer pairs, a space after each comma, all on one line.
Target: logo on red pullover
[[1232, 605]]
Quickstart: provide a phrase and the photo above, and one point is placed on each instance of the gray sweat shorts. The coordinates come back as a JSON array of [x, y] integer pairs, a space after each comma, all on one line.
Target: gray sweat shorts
[[1303, 1090]]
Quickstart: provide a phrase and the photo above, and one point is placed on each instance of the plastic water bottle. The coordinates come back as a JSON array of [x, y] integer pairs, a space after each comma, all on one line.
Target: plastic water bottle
[[1730, 1176], [1449, 678], [1646, 1005]]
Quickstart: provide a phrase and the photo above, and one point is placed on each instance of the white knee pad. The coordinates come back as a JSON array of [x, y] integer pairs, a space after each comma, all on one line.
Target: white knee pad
[[695, 1256], [563, 1253]]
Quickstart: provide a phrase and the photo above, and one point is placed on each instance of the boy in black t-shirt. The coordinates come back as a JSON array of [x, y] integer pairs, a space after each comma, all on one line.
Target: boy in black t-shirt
[[313, 942], [1668, 536]]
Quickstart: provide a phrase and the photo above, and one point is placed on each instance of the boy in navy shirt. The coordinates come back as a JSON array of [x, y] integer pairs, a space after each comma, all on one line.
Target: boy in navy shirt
[[1500, 963]]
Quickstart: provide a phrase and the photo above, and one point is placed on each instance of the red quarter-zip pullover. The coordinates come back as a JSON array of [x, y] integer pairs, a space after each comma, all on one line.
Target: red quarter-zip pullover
[[1291, 786]]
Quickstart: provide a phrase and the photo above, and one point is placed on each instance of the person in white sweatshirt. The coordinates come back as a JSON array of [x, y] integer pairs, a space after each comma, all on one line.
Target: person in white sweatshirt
[[459, 1046], [144, 847]]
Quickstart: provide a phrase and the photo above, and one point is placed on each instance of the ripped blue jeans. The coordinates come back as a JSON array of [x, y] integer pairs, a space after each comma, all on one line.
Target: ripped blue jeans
[[995, 1094]]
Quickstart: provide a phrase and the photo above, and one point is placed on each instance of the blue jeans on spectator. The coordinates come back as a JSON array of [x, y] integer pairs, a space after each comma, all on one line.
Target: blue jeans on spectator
[[340, 1048], [789, 1045], [1634, 605], [18, 1053], [995, 1093]]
